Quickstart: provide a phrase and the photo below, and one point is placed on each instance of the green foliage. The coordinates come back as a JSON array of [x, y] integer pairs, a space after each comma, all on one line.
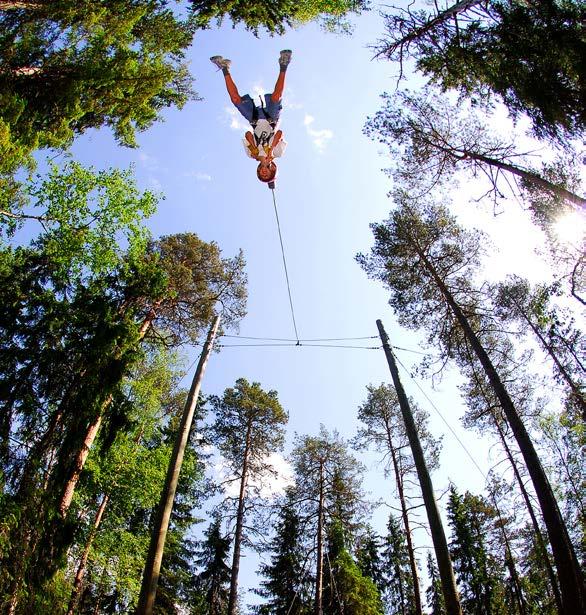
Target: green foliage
[[398, 594], [86, 217], [479, 573], [80, 309], [348, 590], [531, 54], [435, 597], [277, 16], [285, 587], [247, 408], [69, 66], [213, 578], [200, 283]]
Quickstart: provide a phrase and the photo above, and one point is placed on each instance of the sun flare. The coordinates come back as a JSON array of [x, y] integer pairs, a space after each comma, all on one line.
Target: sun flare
[[571, 228]]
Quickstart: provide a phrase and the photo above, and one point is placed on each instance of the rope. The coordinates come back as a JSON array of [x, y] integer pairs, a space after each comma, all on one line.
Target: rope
[[444, 420], [298, 345], [285, 266], [288, 339]]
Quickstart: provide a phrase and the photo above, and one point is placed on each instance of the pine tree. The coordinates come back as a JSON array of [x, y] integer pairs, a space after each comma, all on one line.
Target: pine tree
[[435, 597], [530, 54], [328, 495], [249, 425], [429, 263]]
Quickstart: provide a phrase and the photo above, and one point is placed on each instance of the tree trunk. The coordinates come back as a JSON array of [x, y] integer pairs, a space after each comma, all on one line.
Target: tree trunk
[[93, 428], [80, 459], [573, 590], [405, 515], [578, 394], [232, 600], [148, 590], [7, 5], [536, 529], [84, 557], [528, 176], [438, 536], [319, 565], [419, 31], [42, 446]]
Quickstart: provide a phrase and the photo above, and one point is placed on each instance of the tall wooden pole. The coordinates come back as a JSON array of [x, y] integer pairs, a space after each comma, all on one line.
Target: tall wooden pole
[[438, 536], [152, 569]]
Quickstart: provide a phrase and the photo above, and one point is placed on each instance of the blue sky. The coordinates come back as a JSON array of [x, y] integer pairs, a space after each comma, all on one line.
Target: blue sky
[[329, 189]]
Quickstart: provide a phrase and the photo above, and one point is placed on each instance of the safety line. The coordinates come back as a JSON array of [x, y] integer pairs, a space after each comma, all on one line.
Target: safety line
[[297, 345], [444, 420], [285, 265], [288, 339]]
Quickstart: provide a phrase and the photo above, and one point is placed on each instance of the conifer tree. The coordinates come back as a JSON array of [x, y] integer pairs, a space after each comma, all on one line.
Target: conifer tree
[[435, 597], [479, 574], [428, 262], [384, 428], [285, 587], [399, 594], [329, 493], [530, 54], [213, 579], [249, 425]]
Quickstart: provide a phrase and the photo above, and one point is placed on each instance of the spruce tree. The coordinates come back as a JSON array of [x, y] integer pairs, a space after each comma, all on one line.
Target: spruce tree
[[286, 587]]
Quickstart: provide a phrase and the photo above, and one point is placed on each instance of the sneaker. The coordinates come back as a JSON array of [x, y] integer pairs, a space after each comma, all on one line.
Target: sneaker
[[285, 57], [221, 62]]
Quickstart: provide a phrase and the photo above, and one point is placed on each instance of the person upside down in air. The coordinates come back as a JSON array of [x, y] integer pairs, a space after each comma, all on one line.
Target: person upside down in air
[[265, 142]]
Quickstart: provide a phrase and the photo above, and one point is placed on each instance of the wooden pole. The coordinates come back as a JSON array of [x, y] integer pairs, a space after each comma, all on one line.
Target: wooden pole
[[438, 536], [152, 569]]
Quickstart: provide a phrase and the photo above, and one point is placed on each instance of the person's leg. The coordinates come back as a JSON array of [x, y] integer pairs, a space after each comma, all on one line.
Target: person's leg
[[284, 60], [224, 65], [231, 87], [279, 86]]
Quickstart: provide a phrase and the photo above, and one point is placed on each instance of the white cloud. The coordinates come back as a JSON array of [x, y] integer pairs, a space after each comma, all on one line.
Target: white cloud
[[319, 137], [199, 176], [271, 484], [237, 122], [259, 90]]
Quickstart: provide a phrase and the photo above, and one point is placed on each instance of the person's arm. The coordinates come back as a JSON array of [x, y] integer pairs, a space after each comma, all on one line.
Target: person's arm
[[251, 145], [276, 140]]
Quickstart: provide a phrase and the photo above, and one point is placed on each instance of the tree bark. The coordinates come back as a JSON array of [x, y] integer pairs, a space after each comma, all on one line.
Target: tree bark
[[528, 176], [80, 459], [419, 31], [578, 394], [573, 590], [232, 600], [438, 536], [406, 524], [148, 591], [77, 583], [319, 566], [536, 529]]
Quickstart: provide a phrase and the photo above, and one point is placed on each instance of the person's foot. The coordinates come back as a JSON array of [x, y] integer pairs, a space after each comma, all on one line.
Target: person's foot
[[220, 62], [285, 58]]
